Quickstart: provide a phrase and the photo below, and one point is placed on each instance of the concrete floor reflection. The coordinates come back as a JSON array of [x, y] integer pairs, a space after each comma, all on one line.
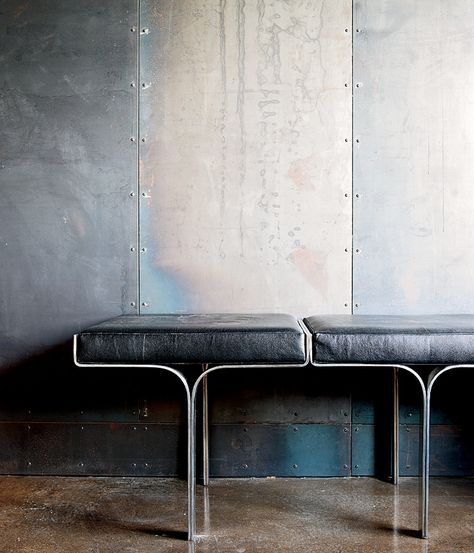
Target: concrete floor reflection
[[363, 515]]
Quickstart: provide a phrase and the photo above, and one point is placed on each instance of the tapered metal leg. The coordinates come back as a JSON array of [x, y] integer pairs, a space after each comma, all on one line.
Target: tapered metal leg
[[192, 468], [396, 430], [425, 464], [205, 429]]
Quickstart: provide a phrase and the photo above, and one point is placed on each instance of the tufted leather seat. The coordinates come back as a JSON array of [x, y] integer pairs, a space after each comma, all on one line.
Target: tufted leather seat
[[421, 339], [214, 338]]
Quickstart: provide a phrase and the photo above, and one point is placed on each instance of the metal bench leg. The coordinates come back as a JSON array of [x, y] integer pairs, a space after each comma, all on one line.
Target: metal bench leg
[[425, 462], [396, 430], [205, 429]]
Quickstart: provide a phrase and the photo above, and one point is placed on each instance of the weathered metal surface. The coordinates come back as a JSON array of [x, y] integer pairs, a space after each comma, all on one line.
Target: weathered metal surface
[[278, 449], [67, 168], [245, 170], [305, 396], [106, 449], [413, 121]]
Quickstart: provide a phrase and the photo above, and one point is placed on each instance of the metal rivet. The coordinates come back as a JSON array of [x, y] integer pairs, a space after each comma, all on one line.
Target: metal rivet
[[408, 466], [82, 428], [346, 250], [357, 30], [29, 427], [132, 303], [29, 463], [134, 465], [346, 466], [356, 429], [346, 195], [245, 466], [346, 414], [143, 139], [143, 250], [357, 250], [356, 305], [145, 304], [358, 85], [346, 430], [295, 466], [146, 465], [245, 429], [346, 85], [346, 305], [82, 412], [132, 249], [132, 139], [134, 428], [357, 140], [356, 466], [133, 29], [146, 428], [81, 464], [144, 194], [132, 194], [346, 140], [408, 430], [346, 30], [145, 31], [295, 429], [410, 414], [132, 84]]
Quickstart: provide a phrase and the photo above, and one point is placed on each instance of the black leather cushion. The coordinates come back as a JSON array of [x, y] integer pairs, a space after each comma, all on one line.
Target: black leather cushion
[[216, 338], [423, 339]]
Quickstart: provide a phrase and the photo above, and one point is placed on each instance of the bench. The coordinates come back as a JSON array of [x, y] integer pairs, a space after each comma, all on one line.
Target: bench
[[400, 342], [253, 341], [217, 341]]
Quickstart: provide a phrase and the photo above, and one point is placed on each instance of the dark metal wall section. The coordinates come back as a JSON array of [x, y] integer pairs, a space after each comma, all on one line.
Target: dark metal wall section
[[68, 167]]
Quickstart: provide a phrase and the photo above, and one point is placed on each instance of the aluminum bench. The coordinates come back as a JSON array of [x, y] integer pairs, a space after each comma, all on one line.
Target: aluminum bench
[[217, 341], [400, 343]]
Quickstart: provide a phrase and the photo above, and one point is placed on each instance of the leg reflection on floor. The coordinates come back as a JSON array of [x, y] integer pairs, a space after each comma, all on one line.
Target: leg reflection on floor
[[66, 515]]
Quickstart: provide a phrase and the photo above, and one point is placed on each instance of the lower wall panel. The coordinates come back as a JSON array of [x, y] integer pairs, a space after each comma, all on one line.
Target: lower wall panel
[[280, 450]]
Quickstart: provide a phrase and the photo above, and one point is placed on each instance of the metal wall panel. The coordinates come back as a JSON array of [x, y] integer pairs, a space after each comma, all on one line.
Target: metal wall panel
[[245, 173], [67, 168], [413, 149]]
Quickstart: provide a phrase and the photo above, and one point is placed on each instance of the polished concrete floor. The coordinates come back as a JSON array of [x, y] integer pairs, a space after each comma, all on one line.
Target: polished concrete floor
[[102, 515]]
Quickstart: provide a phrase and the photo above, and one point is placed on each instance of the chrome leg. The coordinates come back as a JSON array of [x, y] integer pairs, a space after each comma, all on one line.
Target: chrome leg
[[396, 430], [192, 468], [425, 463], [205, 429]]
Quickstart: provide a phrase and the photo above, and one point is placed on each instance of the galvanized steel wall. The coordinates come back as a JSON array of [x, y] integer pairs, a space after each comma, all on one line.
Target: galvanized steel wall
[[245, 170], [197, 155]]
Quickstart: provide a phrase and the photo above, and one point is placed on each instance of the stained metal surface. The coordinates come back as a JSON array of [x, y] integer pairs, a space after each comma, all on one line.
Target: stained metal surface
[[95, 449], [413, 120], [67, 168], [244, 167], [277, 449]]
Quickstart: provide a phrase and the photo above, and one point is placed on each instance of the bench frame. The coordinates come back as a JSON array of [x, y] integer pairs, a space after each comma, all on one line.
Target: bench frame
[[205, 419], [191, 401], [432, 378], [183, 380]]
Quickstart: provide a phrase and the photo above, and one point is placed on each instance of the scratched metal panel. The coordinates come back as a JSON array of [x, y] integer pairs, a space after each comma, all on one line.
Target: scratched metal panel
[[414, 122], [244, 165], [67, 167], [281, 450]]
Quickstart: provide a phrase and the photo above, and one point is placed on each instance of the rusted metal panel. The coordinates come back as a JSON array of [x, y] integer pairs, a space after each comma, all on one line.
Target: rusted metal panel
[[245, 171], [67, 169], [413, 131]]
